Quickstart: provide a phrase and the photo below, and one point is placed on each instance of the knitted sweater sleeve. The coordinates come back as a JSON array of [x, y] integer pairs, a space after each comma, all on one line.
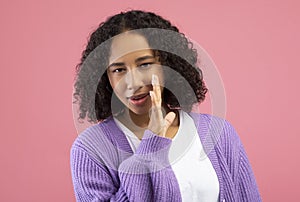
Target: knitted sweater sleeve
[[92, 180], [248, 190], [145, 176], [239, 164]]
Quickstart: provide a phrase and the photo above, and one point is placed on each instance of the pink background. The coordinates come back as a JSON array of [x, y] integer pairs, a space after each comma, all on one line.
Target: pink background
[[255, 46]]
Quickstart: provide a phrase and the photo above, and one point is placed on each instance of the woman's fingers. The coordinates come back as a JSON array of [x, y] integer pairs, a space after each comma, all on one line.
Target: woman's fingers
[[158, 123], [156, 91], [156, 117], [155, 94], [170, 117]]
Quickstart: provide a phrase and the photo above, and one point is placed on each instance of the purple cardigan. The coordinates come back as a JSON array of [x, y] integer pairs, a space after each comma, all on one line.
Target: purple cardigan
[[104, 167]]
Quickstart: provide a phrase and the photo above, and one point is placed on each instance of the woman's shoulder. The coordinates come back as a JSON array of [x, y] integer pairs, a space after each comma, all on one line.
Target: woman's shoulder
[[209, 120], [215, 127], [95, 137], [95, 144]]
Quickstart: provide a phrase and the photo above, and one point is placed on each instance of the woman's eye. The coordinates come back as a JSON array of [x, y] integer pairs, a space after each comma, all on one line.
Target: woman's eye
[[144, 65], [118, 70]]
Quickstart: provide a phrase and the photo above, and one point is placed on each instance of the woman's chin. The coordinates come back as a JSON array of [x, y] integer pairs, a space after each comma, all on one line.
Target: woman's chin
[[139, 112]]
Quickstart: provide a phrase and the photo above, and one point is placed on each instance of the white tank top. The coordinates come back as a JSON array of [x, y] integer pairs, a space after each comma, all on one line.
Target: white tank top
[[195, 174]]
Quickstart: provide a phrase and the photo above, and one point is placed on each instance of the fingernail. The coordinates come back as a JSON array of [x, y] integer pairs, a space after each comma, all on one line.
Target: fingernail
[[154, 79], [151, 93]]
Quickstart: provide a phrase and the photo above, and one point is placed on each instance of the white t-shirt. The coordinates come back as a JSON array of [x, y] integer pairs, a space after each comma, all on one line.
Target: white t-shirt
[[195, 174]]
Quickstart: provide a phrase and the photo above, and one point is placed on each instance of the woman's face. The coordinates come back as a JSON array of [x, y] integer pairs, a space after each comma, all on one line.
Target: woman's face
[[131, 66]]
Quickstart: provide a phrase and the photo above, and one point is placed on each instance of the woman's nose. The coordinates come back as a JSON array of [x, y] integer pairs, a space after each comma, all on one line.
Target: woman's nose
[[134, 79]]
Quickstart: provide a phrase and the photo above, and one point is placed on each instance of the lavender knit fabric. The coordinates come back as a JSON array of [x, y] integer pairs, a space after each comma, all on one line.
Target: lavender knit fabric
[[104, 168]]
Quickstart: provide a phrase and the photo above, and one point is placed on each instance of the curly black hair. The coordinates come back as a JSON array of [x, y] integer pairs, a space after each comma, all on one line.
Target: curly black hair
[[92, 87]]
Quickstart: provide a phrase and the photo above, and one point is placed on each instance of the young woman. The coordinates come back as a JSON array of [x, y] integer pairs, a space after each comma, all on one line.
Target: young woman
[[138, 81]]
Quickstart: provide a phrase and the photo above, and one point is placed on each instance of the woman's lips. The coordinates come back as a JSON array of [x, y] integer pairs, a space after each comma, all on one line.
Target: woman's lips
[[139, 99]]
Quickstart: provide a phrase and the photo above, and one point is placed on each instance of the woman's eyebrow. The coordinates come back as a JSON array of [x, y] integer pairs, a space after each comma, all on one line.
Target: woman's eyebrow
[[140, 59], [144, 58], [118, 64]]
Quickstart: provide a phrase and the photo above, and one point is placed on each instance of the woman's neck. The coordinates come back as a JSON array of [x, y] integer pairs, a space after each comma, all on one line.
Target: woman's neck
[[139, 120]]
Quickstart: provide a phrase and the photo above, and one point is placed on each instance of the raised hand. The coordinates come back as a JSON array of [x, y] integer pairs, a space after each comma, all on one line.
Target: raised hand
[[158, 124]]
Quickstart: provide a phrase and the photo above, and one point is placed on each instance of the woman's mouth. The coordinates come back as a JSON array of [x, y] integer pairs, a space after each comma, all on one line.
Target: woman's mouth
[[139, 99]]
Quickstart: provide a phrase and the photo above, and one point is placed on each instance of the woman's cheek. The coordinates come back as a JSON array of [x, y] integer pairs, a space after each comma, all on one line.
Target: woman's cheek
[[117, 86]]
